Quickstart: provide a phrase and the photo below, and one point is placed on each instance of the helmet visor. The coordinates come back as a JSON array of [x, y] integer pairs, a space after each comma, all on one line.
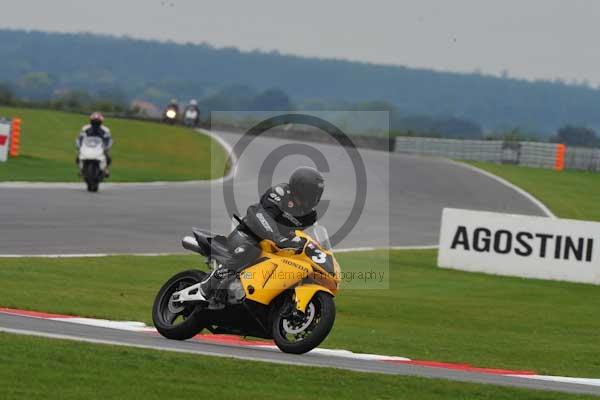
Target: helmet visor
[[307, 198]]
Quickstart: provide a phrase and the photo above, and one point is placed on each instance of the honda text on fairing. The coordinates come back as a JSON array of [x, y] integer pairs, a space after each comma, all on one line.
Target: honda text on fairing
[[284, 295]]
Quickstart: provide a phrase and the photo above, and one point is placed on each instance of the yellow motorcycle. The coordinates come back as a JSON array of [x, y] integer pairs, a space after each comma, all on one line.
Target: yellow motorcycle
[[285, 295]]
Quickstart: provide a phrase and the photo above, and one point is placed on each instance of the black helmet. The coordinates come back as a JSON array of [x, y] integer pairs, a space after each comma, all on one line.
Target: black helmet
[[306, 185]]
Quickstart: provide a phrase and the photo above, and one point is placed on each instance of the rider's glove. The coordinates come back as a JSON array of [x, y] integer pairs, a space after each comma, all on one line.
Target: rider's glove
[[296, 243]]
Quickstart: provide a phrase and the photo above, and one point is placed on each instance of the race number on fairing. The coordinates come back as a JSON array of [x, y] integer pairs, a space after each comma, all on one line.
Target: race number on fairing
[[320, 258]]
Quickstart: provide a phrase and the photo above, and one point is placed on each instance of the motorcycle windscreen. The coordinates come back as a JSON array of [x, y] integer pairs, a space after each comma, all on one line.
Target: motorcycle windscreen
[[320, 234], [92, 141], [324, 260]]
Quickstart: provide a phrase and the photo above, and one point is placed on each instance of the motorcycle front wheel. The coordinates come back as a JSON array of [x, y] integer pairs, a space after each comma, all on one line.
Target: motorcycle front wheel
[[299, 333], [90, 173], [173, 320]]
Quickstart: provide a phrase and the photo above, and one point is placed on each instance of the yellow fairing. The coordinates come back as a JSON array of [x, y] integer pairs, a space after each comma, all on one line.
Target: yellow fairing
[[304, 293], [282, 270], [266, 280]]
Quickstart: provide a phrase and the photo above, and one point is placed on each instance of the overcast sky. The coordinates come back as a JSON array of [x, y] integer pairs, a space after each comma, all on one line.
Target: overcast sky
[[528, 38]]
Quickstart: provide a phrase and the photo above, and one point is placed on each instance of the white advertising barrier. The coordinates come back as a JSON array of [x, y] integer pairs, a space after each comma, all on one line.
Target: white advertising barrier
[[520, 245], [5, 127]]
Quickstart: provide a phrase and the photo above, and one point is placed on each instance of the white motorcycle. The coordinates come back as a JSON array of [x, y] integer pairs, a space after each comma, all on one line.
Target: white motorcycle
[[191, 117], [92, 162]]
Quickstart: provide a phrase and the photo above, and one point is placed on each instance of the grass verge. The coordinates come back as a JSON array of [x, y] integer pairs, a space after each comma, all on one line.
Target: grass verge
[[142, 152], [427, 313], [569, 194], [45, 368]]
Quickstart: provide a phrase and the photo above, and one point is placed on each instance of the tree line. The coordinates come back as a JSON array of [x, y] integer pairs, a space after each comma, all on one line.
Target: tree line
[[277, 100], [38, 65]]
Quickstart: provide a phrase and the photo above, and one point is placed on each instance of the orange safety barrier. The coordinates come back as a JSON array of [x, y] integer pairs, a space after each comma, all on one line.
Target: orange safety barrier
[[559, 161], [15, 137]]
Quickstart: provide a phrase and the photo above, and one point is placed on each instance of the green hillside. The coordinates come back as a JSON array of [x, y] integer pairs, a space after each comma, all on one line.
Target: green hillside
[[38, 65], [142, 152]]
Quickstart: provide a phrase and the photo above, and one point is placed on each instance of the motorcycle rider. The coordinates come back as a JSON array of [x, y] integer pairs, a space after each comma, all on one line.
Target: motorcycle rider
[[96, 128], [173, 105], [193, 105], [281, 210]]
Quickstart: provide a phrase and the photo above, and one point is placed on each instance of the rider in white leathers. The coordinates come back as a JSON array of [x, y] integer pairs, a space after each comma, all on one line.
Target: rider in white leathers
[[96, 128]]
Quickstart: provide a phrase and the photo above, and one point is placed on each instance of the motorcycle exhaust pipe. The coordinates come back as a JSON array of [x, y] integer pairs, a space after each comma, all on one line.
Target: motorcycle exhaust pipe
[[189, 243]]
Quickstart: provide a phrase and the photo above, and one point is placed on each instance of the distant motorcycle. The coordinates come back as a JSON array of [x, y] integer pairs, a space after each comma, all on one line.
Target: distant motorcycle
[[92, 162], [170, 115], [191, 117]]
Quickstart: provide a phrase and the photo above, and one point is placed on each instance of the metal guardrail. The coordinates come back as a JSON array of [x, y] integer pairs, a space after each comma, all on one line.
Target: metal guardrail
[[451, 148], [531, 154], [582, 158]]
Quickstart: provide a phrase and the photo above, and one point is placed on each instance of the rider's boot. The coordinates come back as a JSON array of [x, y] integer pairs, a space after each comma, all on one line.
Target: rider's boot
[[213, 288], [79, 174], [108, 162]]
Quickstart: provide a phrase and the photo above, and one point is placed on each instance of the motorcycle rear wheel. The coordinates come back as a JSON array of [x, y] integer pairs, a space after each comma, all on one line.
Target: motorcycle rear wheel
[[302, 333], [177, 321]]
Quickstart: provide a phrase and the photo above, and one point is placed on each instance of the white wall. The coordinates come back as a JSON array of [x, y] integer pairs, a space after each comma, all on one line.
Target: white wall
[[5, 127], [519, 245]]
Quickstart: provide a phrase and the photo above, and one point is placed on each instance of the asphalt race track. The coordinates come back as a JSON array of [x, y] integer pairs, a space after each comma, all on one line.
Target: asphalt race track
[[93, 334], [404, 199]]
